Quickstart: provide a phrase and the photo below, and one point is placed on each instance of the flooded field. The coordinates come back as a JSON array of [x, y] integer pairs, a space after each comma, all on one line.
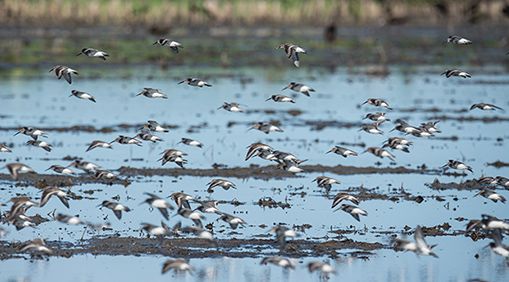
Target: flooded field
[[398, 195]]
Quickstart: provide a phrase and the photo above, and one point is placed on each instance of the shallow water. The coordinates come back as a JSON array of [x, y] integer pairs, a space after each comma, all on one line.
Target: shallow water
[[44, 102]]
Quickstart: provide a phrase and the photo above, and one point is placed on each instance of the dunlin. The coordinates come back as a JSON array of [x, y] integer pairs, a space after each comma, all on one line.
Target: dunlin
[[292, 52], [65, 72], [91, 52]]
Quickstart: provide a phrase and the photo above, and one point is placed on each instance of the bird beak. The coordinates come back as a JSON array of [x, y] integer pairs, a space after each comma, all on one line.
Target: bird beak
[[286, 87], [78, 54], [181, 82], [48, 169], [16, 133], [154, 43], [269, 99]]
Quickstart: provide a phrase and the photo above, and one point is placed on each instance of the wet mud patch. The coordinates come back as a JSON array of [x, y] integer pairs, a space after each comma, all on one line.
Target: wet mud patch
[[271, 172], [466, 185], [498, 164]]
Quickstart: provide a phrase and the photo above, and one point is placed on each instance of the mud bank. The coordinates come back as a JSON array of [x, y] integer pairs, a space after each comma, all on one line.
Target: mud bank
[[193, 248], [126, 174]]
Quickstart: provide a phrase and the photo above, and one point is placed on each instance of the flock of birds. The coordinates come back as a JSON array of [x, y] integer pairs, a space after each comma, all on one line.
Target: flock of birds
[[192, 209]]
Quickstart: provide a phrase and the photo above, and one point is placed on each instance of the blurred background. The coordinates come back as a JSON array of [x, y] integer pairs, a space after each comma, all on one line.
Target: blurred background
[[346, 32]]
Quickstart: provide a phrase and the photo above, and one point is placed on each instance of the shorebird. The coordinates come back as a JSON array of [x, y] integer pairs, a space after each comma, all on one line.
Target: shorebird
[[68, 219], [61, 169], [299, 87], [342, 151], [152, 93], [159, 203], [87, 167], [488, 222], [63, 71], [173, 155], [397, 143], [256, 149], [354, 211], [190, 142], [208, 206], [182, 199], [487, 180], [280, 98], [193, 215], [457, 165], [104, 174], [280, 156], [420, 247], [492, 195], [91, 52], [121, 139], [177, 265], [371, 128], [502, 181], [340, 197], [223, 183], [430, 126], [173, 45], [147, 136], [15, 169], [19, 206], [82, 95], [265, 127], [48, 192], [279, 261], [458, 40], [5, 149], [37, 246], [403, 126], [485, 107], [153, 125], [115, 207], [32, 132], [41, 144], [199, 232], [292, 52], [195, 82], [378, 117], [381, 153], [377, 103], [325, 182], [282, 233], [98, 144], [231, 107], [455, 72], [498, 247], [323, 267], [289, 166], [232, 220], [21, 221], [154, 230]]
